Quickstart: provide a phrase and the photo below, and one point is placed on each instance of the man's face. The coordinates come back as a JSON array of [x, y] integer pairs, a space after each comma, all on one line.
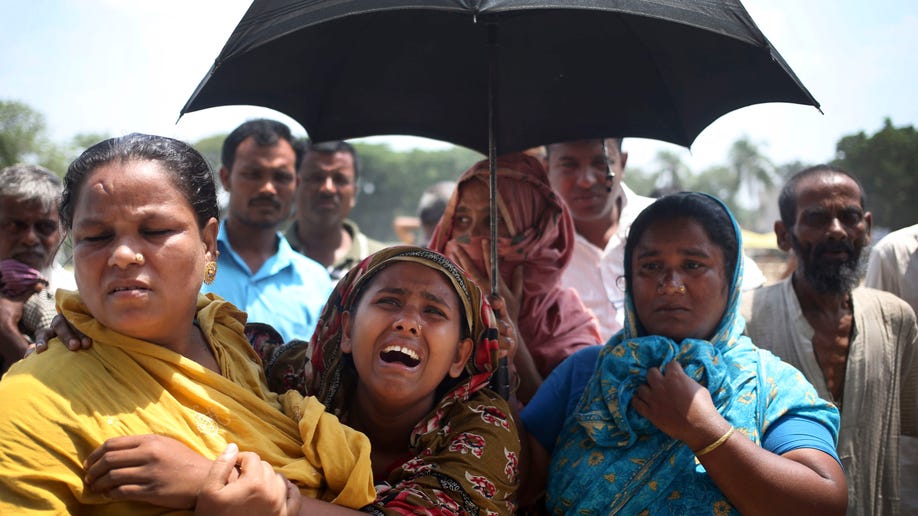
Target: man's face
[[261, 184], [327, 190], [577, 171], [28, 232], [830, 232]]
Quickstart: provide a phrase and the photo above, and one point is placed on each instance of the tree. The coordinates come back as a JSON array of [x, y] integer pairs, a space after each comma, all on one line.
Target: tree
[[886, 163], [211, 148], [672, 172], [391, 183], [22, 133], [752, 173]]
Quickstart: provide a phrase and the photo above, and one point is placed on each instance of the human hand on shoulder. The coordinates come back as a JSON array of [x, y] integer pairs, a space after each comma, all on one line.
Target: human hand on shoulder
[[61, 328]]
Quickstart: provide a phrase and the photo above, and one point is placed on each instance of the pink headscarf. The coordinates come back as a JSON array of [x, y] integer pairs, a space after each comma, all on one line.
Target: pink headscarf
[[553, 321]]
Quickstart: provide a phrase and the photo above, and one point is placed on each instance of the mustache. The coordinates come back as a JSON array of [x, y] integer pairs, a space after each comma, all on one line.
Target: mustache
[[834, 247], [263, 199]]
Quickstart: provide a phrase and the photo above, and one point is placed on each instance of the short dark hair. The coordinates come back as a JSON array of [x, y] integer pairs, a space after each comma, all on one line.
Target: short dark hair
[[332, 147], [267, 133], [787, 201], [434, 200], [188, 169], [617, 139], [703, 209], [31, 183]]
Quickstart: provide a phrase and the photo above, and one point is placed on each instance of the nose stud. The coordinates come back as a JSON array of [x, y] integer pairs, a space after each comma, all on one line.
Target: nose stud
[[681, 289], [139, 259]]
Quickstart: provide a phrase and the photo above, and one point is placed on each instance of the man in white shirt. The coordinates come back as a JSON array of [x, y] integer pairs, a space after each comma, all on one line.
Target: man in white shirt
[[603, 209]]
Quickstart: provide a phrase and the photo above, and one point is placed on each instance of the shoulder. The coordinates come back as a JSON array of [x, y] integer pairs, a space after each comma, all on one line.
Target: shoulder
[[870, 303], [362, 240], [55, 377], [762, 298]]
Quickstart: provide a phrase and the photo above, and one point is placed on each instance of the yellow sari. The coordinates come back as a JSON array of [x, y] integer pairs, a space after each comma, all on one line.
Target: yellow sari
[[57, 407]]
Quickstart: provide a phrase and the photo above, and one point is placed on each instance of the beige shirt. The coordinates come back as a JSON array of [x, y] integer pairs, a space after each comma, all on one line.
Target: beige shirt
[[880, 400], [893, 265]]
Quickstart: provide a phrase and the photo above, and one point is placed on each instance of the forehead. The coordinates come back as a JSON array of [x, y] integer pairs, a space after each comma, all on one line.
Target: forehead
[[22, 209], [131, 183], [473, 195], [329, 162], [824, 190], [683, 235], [414, 276], [250, 150], [582, 149]]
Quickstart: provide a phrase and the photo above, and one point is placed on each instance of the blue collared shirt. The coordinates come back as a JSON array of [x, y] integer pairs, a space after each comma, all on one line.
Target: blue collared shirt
[[287, 292]]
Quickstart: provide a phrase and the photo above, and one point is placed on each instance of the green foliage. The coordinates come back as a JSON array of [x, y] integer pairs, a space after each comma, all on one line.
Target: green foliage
[[886, 163], [210, 148], [23, 139], [391, 182], [22, 134]]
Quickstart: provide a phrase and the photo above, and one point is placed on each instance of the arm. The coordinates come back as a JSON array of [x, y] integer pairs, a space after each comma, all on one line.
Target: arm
[[164, 472], [13, 344], [756, 481], [512, 299], [147, 468], [243, 484]]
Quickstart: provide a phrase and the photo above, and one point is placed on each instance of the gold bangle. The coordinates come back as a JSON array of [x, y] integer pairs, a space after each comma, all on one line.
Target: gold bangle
[[716, 444]]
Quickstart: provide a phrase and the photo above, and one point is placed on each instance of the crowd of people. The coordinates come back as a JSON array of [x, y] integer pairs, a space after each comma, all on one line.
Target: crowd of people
[[224, 366]]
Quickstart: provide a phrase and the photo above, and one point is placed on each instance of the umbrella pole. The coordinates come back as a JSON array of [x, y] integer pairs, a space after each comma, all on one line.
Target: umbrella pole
[[501, 379]]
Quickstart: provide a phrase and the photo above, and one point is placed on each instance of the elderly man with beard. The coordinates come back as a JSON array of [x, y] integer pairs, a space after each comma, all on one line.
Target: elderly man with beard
[[856, 345], [30, 234]]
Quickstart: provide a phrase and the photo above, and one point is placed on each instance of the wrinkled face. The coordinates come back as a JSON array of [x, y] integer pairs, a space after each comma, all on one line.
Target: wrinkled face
[[672, 255], [328, 188], [577, 171], [28, 232], [830, 232], [128, 209], [404, 333], [472, 217], [261, 184]]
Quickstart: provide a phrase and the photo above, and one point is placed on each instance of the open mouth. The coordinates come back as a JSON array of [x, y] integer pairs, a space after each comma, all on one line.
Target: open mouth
[[400, 355]]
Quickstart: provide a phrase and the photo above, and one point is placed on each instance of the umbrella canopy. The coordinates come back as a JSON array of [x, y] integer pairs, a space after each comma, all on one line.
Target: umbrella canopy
[[559, 70]]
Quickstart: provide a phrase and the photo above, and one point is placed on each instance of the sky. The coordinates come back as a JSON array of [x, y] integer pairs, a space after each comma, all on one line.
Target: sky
[[119, 66]]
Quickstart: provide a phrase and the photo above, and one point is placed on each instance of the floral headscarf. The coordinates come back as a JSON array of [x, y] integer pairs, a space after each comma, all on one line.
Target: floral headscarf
[[466, 450], [330, 380], [553, 320], [609, 459]]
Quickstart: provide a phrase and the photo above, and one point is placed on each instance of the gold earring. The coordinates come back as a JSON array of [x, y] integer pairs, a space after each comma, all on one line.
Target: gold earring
[[210, 271]]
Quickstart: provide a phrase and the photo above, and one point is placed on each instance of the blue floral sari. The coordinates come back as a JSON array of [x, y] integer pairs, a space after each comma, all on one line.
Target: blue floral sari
[[611, 460]]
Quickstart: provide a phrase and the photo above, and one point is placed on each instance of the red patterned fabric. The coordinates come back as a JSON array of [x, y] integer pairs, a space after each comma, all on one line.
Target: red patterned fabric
[[465, 452], [553, 321]]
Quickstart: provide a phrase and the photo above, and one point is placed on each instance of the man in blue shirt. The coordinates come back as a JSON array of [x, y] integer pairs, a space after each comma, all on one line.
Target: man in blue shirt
[[258, 271]]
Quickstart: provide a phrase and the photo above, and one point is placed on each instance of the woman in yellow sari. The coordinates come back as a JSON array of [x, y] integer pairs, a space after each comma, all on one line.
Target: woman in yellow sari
[[165, 360]]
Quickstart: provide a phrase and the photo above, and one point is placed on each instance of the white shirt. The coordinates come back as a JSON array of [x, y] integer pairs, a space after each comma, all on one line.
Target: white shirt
[[598, 275], [594, 273]]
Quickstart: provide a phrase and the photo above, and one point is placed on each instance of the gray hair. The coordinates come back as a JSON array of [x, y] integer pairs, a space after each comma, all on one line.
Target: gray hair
[[31, 183]]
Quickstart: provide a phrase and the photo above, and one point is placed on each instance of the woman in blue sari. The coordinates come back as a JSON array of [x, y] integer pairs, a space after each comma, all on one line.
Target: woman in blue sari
[[679, 413]]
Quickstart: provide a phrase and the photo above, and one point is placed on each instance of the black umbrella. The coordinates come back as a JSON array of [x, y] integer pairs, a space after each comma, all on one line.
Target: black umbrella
[[499, 75]]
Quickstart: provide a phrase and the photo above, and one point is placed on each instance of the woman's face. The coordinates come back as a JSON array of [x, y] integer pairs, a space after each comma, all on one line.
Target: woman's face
[[403, 334], [472, 217], [671, 255], [123, 211]]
